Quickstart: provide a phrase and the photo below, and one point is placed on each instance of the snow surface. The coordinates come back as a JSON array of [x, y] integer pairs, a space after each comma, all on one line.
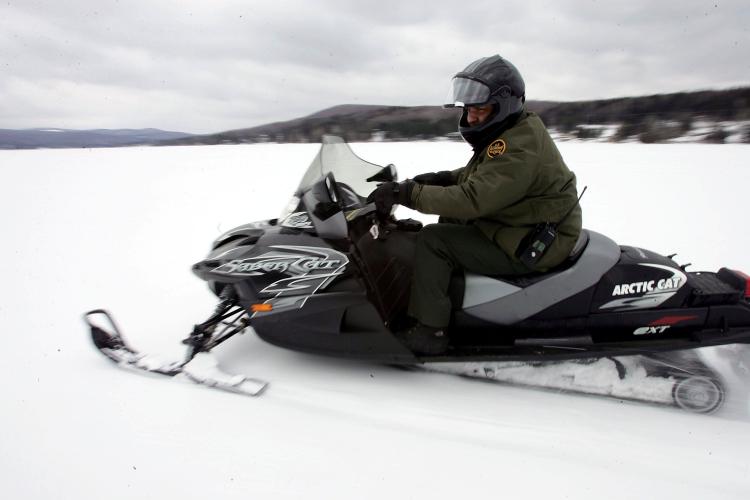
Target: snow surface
[[120, 228]]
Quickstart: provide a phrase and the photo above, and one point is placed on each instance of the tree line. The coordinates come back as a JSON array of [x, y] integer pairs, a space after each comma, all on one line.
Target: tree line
[[654, 118]]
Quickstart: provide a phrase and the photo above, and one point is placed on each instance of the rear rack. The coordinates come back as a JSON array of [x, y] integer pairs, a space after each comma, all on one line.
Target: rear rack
[[710, 289]]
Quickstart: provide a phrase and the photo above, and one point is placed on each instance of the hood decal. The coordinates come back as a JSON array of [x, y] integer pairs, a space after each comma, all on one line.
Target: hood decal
[[306, 270]]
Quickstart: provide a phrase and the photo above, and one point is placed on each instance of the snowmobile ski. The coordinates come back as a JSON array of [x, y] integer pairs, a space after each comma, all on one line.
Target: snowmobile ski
[[199, 366]]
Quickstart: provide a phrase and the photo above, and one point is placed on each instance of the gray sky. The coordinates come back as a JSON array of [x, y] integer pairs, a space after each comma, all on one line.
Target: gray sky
[[207, 66]]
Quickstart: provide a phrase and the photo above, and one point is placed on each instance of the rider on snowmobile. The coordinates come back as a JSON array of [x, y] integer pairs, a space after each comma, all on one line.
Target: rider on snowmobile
[[490, 210]]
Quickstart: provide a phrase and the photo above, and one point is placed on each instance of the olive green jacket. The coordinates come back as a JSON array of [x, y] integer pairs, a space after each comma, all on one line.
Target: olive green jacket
[[516, 182]]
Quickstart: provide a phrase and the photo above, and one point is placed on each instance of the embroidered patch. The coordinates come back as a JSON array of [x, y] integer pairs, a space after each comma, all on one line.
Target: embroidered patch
[[496, 148]]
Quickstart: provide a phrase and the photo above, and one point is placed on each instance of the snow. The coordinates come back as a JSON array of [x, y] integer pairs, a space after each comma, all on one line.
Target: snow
[[599, 377], [120, 228]]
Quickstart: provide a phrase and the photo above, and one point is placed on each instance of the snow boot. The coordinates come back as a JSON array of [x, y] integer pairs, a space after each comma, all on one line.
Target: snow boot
[[423, 339]]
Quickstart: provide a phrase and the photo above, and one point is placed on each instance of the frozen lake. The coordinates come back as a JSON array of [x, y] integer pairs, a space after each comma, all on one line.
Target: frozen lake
[[120, 228]]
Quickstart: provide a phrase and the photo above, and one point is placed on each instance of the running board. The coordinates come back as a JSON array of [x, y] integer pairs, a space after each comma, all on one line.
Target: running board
[[561, 342]]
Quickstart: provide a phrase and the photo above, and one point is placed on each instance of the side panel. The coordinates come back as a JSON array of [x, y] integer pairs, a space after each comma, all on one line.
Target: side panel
[[641, 280], [337, 324], [315, 290]]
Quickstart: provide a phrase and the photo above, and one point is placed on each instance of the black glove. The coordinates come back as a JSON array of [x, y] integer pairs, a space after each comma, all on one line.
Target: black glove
[[443, 178], [391, 193]]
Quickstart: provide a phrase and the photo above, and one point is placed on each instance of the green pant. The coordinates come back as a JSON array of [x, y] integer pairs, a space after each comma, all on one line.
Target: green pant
[[443, 249]]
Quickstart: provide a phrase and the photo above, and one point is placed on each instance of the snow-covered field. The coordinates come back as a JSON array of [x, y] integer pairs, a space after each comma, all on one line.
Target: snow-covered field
[[120, 228]]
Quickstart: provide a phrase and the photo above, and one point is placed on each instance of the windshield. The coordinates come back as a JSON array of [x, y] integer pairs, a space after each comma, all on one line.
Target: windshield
[[349, 170]]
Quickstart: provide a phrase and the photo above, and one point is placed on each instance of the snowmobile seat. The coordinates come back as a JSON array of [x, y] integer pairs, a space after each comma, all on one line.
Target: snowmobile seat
[[458, 280], [527, 279], [506, 299], [583, 240]]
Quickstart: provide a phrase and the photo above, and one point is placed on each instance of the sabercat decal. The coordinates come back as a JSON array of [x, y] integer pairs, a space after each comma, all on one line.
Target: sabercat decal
[[306, 270]]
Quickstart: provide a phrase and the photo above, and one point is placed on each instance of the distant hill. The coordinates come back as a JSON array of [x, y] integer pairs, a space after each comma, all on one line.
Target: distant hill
[[713, 116], [703, 116], [352, 122], [62, 138]]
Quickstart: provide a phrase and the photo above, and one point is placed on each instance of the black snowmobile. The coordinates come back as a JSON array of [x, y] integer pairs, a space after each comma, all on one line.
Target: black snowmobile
[[331, 277]]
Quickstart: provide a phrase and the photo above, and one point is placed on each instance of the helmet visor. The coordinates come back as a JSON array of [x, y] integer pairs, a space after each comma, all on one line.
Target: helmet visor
[[466, 92]]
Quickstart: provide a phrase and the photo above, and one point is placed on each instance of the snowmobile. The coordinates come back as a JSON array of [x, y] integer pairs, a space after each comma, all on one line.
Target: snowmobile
[[330, 276]]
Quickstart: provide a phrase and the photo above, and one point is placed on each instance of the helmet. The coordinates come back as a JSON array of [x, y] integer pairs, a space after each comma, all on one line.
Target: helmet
[[489, 80]]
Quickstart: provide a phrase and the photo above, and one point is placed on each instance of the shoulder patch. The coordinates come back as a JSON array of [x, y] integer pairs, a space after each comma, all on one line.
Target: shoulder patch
[[497, 148]]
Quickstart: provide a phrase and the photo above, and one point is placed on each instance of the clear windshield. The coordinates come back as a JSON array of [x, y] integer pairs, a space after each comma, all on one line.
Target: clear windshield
[[350, 172], [348, 169]]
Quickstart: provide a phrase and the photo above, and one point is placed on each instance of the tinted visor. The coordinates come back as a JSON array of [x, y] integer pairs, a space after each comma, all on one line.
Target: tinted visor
[[466, 92]]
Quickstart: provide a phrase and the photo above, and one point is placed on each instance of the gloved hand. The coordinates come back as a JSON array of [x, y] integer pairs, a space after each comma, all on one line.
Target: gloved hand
[[443, 178], [391, 193]]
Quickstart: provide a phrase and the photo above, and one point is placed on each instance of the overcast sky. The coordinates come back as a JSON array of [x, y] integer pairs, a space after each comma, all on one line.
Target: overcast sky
[[208, 66]]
